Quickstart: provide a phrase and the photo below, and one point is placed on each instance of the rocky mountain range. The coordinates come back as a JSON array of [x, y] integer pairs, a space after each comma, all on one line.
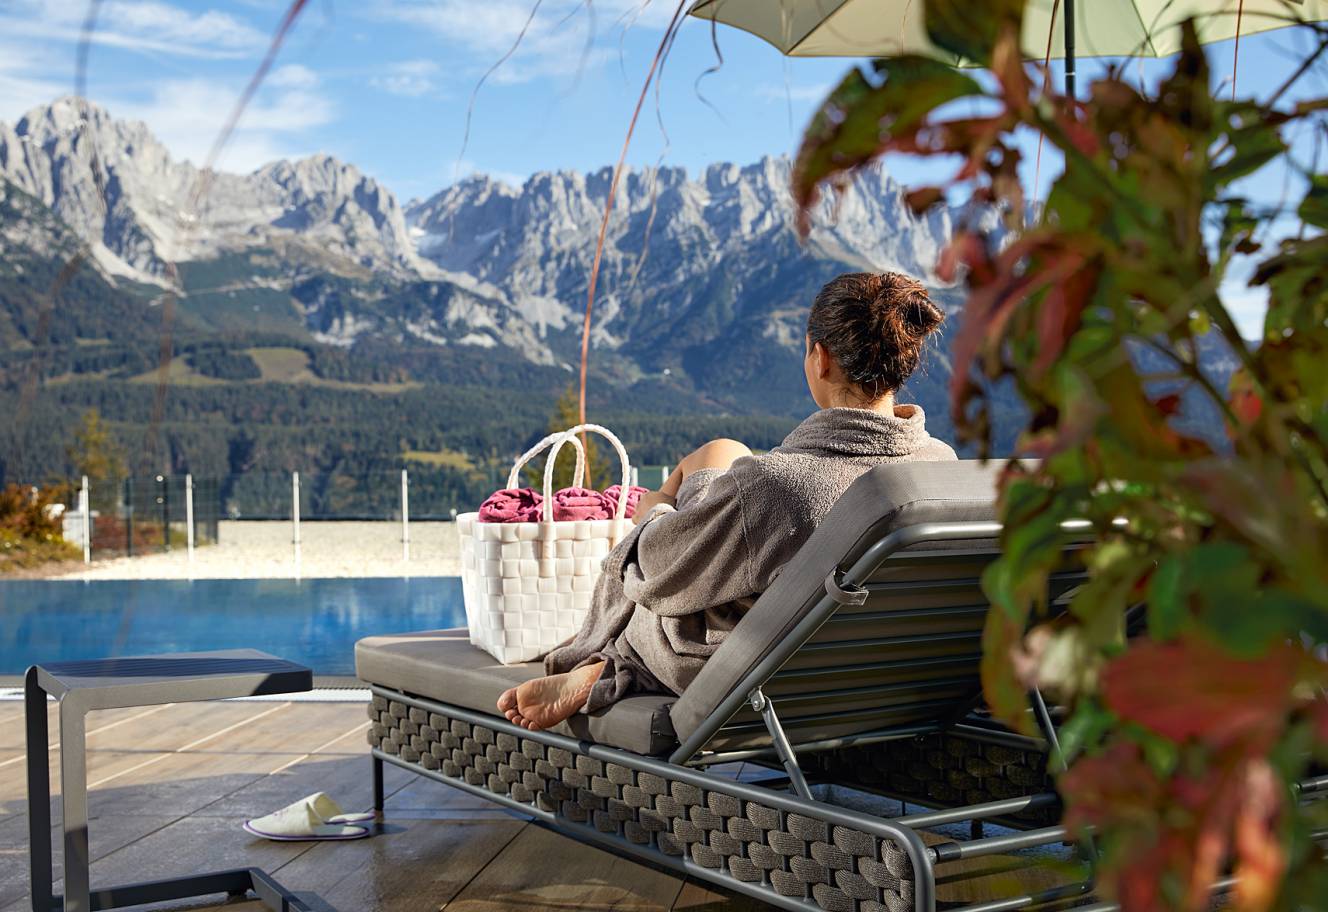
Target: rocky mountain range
[[699, 271], [118, 188]]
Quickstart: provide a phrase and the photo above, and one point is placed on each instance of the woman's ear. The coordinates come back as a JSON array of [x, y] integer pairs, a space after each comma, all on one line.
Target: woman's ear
[[824, 362]]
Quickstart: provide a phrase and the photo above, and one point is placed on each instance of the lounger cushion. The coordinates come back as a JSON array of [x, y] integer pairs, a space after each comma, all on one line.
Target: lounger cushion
[[887, 498], [441, 665]]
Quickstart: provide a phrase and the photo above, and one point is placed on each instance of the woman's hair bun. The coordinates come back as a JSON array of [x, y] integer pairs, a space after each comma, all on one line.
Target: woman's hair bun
[[902, 306], [874, 325]]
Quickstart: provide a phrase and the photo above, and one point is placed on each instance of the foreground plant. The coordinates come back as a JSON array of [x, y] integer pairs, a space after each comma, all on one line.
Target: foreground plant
[[1184, 740]]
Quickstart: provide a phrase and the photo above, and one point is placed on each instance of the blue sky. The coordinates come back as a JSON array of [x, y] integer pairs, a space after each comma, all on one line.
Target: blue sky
[[386, 84]]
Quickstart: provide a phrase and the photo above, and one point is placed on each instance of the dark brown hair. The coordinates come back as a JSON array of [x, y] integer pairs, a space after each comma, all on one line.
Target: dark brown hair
[[874, 326]]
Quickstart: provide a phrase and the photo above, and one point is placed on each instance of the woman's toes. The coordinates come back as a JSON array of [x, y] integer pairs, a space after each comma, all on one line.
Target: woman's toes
[[507, 701], [512, 715]]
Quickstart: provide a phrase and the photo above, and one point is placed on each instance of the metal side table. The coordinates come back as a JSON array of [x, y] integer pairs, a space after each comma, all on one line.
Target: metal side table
[[116, 683]]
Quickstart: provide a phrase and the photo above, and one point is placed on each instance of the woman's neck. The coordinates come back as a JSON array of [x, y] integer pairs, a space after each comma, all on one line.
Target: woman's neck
[[846, 398]]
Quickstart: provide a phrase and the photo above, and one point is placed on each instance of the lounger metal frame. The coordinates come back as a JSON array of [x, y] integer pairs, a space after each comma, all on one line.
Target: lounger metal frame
[[682, 765], [848, 589]]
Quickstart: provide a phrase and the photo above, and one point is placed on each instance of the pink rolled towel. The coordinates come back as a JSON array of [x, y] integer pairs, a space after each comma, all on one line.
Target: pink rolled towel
[[634, 494], [580, 503], [512, 505]]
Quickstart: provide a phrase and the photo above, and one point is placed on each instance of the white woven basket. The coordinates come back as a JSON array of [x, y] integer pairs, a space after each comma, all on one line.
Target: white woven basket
[[527, 586]]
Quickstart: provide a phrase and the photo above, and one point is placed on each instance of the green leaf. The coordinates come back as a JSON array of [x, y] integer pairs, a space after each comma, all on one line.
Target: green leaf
[[1248, 149], [1237, 223], [1166, 599], [1085, 729], [970, 30], [1249, 625], [1314, 207]]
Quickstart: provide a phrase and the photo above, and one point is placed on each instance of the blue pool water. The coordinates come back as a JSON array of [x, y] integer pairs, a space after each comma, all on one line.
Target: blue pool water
[[315, 622]]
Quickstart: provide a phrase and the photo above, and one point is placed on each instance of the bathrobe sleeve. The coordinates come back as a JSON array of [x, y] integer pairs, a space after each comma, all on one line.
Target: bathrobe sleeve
[[701, 555]]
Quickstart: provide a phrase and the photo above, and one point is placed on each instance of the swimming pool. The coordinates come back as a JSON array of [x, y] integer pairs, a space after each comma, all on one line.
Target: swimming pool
[[315, 622]]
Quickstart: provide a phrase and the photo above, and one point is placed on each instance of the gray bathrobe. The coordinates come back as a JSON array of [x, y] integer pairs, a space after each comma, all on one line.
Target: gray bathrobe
[[670, 591]]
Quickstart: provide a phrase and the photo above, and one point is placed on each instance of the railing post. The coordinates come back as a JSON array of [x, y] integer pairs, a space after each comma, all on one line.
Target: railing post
[[189, 513], [85, 512], [405, 516], [129, 517], [163, 498], [295, 508]]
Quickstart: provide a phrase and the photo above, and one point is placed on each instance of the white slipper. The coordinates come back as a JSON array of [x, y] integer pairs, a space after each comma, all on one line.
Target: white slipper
[[331, 812], [300, 823]]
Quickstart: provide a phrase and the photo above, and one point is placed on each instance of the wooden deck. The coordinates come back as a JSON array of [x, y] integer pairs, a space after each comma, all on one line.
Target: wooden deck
[[170, 786]]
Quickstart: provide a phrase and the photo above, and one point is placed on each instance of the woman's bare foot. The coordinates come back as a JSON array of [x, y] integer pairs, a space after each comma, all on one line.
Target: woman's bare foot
[[544, 702]]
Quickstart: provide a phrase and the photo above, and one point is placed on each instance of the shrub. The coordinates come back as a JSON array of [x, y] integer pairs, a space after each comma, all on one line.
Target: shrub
[[1184, 743]]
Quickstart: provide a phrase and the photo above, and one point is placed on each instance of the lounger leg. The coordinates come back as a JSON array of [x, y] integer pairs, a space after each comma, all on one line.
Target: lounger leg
[[74, 802], [1043, 716], [1087, 847], [39, 794], [378, 784]]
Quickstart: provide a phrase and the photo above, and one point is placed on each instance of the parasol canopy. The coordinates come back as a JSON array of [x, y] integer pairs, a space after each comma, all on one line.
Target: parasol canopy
[[1100, 28]]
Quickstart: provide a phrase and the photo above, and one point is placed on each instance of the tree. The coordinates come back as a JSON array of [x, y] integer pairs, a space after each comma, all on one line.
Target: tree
[[600, 473], [1184, 742], [95, 453]]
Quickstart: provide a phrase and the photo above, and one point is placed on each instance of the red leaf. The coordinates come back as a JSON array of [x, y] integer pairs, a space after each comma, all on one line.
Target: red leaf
[[1070, 287], [1247, 405], [1116, 784], [923, 198], [1192, 689], [1169, 404], [1319, 717]]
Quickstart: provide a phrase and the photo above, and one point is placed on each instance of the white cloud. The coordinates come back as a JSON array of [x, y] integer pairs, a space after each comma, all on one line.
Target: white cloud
[[292, 76], [20, 90], [801, 94], [554, 43], [140, 25], [187, 114], [411, 78]]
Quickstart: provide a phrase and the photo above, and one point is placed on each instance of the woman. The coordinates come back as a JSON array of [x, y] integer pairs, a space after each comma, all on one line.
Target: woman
[[719, 530]]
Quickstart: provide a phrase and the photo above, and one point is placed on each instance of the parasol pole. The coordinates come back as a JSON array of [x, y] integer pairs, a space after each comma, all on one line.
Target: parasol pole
[[1069, 48]]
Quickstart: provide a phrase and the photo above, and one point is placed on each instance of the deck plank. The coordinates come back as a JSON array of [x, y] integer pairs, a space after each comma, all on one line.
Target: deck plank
[[189, 846], [100, 764], [544, 870], [13, 725], [106, 835], [173, 726], [344, 777], [700, 897], [410, 865], [422, 796]]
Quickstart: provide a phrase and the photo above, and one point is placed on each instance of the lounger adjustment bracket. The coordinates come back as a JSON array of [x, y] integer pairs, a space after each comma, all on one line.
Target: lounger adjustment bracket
[[841, 594], [761, 704]]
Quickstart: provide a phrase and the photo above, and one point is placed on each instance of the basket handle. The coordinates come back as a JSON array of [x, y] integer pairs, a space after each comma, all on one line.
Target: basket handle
[[578, 476], [570, 435]]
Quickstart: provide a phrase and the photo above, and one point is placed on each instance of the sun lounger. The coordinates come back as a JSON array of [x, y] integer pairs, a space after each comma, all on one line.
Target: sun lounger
[[866, 648]]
